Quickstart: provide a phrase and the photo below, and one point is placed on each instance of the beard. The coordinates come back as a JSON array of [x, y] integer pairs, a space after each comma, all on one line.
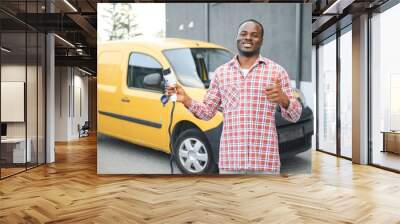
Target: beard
[[248, 53]]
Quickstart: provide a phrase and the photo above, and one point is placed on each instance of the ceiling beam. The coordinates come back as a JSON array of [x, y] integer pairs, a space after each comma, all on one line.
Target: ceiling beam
[[86, 26], [83, 61], [337, 7]]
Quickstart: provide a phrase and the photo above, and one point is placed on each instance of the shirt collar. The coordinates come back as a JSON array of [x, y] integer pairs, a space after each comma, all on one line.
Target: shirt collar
[[235, 62]]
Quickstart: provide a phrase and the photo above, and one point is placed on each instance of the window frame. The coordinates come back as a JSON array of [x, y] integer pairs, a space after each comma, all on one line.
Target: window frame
[[127, 73], [371, 14], [333, 37]]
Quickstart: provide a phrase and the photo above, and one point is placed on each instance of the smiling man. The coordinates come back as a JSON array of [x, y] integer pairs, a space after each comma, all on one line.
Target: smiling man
[[248, 89]]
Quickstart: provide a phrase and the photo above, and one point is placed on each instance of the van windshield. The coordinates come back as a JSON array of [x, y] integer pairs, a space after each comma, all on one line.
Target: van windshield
[[194, 67]]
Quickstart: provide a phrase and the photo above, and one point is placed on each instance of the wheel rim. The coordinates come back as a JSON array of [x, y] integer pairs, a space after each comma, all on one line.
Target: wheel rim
[[193, 155]]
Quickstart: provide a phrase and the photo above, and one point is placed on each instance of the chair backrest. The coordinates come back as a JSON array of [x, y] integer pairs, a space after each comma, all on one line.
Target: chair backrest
[[86, 125]]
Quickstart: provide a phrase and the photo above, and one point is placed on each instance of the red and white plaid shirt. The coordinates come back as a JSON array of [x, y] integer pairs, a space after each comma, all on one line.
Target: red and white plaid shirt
[[249, 139]]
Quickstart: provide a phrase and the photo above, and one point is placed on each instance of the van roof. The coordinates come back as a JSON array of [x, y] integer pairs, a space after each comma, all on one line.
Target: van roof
[[161, 43]]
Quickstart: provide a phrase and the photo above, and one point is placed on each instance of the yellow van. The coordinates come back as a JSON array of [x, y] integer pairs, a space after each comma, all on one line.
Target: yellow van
[[130, 86], [129, 108]]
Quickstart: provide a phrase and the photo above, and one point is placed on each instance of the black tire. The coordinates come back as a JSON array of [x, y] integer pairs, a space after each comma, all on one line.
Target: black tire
[[194, 136]]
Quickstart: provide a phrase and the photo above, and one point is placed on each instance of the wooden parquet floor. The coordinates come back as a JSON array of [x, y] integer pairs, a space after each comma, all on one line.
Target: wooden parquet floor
[[70, 191]]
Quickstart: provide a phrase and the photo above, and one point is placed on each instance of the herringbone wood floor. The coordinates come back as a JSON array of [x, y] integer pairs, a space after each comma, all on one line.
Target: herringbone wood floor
[[70, 191]]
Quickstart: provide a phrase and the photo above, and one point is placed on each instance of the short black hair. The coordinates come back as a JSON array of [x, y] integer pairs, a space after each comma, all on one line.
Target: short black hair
[[254, 21]]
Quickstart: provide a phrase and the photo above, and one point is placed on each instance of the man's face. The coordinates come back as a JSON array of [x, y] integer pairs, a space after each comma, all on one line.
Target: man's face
[[249, 39]]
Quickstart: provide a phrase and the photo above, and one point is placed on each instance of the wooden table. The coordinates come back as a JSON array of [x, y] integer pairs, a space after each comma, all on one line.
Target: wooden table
[[391, 141]]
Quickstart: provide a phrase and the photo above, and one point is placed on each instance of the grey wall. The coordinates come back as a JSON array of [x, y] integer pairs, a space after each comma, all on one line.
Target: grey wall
[[284, 26], [178, 14], [306, 43]]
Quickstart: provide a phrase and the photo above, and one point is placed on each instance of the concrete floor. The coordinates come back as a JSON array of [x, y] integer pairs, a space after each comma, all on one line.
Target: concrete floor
[[119, 157]]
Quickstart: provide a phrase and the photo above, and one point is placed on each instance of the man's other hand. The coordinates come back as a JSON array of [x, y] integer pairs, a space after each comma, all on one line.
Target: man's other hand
[[276, 95]]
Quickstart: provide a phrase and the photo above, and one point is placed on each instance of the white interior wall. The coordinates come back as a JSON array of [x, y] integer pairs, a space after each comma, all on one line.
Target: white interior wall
[[61, 103], [14, 73], [72, 87], [34, 124]]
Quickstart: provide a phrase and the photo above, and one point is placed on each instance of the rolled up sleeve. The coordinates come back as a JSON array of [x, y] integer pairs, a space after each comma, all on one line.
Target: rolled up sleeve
[[207, 109], [293, 112]]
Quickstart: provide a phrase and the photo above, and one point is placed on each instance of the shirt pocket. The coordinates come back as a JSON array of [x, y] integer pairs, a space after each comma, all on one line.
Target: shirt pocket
[[230, 97]]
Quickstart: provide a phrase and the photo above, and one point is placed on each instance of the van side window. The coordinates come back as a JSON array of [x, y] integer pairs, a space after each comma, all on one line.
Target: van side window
[[139, 66]]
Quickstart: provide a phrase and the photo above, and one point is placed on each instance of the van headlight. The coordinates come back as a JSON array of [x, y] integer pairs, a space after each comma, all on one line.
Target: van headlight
[[300, 96]]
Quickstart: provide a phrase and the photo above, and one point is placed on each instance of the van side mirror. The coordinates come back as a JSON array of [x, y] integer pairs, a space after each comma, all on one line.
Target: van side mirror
[[152, 80]]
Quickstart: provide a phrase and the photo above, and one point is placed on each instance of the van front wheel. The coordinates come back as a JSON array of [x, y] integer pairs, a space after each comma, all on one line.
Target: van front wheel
[[193, 153]]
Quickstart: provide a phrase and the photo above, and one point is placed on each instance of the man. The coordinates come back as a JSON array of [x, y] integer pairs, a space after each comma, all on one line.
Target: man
[[248, 89]]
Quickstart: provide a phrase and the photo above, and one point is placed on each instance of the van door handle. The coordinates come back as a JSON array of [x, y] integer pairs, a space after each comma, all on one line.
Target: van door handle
[[125, 100]]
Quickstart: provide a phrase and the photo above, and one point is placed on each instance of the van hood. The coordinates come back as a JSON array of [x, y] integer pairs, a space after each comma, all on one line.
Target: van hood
[[195, 93]]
